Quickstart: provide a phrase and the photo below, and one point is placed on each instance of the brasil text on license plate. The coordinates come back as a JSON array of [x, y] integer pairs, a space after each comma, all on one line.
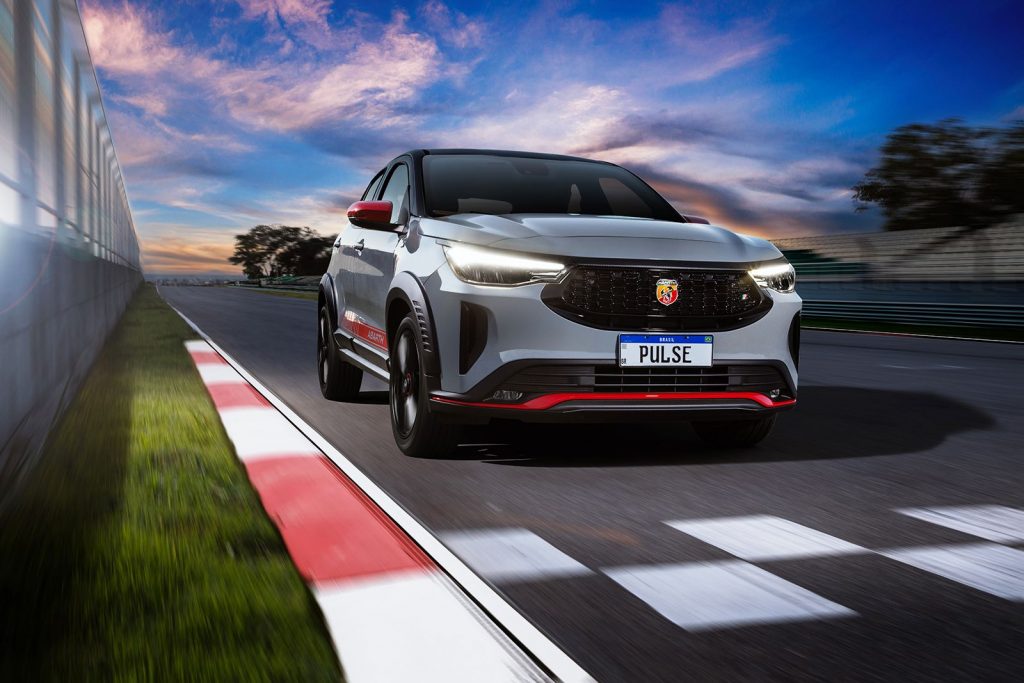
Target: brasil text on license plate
[[686, 350]]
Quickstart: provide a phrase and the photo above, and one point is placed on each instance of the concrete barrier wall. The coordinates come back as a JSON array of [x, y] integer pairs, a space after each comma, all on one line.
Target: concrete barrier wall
[[69, 254], [991, 255], [61, 306]]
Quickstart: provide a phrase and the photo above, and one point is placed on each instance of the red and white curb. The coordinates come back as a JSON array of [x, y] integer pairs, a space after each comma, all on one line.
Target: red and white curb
[[394, 614]]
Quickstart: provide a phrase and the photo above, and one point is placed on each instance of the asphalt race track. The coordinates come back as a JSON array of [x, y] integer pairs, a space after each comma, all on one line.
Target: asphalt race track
[[831, 564]]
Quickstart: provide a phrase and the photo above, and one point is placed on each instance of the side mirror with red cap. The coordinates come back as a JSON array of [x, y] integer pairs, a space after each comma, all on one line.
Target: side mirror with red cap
[[371, 215]]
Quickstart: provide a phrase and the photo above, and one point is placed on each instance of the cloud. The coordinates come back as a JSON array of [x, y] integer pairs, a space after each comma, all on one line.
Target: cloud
[[324, 211], [288, 11], [150, 150], [374, 78], [170, 249], [699, 52], [149, 104], [451, 27], [568, 118], [558, 43], [729, 207], [810, 180], [122, 42], [368, 82], [683, 125], [305, 20]]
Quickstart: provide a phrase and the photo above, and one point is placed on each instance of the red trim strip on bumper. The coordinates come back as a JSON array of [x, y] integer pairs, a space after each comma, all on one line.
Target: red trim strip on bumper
[[550, 400]]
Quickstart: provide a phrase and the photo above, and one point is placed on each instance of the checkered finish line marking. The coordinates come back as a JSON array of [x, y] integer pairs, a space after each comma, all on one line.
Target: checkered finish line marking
[[702, 596], [393, 614], [764, 537], [991, 522]]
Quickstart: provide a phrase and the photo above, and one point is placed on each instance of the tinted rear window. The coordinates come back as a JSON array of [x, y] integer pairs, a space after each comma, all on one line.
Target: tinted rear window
[[478, 183]]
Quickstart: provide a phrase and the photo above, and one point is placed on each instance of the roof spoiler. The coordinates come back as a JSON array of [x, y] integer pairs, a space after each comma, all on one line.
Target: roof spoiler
[[697, 219]]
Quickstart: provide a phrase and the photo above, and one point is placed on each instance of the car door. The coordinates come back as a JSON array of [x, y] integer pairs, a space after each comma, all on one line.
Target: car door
[[347, 260], [377, 259]]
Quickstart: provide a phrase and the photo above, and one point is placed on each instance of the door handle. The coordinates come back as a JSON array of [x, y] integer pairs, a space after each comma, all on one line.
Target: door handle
[[359, 246]]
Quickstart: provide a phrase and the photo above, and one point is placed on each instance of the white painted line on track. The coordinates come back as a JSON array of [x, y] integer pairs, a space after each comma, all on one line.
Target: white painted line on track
[[536, 643], [218, 373], [765, 537], [414, 609], [512, 555], [194, 344], [260, 433], [702, 596], [918, 368], [988, 567], [992, 522]]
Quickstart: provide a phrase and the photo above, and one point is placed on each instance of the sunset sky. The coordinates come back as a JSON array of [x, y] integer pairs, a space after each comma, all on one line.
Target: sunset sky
[[230, 113]]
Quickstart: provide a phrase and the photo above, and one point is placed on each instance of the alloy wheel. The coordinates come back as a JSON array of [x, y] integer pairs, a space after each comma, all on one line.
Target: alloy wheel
[[405, 381]]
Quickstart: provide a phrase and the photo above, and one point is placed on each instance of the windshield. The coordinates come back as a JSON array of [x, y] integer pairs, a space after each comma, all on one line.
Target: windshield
[[481, 183]]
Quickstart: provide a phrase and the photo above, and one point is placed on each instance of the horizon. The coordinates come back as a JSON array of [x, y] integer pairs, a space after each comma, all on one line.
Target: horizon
[[236, 113]]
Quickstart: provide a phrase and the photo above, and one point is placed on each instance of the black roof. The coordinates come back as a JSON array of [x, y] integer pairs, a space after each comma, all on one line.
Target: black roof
[[419, 153]]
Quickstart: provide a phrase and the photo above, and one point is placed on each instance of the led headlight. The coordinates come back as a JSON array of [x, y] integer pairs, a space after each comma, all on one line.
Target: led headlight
[[778, 276], [492, 267]]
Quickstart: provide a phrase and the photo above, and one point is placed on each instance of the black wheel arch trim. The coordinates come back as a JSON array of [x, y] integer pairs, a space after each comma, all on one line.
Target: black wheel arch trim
[[327, 290], [408, 289]]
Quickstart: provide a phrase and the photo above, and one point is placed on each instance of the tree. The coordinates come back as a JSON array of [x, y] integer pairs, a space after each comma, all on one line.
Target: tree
[[273, 250], [946, 174], [306, 257], [1002, 181]]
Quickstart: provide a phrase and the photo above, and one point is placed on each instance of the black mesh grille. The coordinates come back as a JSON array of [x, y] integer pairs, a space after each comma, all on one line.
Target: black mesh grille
[[625, 298], [550, 379]]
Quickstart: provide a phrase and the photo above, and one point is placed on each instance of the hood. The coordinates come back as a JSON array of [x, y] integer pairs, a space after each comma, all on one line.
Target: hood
[[577, 236]]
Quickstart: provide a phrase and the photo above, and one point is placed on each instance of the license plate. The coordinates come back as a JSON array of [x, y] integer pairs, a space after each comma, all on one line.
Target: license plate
[[636, 350]]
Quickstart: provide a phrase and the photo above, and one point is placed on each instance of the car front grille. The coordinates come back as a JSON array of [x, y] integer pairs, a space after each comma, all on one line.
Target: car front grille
[[624, 298], [552, 379]]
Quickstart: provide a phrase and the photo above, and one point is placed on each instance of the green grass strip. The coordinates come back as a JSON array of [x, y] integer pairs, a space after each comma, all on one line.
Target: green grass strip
[[137, 550]]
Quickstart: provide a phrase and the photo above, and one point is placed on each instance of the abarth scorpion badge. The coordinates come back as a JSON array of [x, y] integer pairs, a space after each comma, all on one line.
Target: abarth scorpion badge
[[667, 292]]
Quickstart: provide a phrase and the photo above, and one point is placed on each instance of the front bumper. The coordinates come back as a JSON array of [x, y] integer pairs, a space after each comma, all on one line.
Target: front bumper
[[519, 329]]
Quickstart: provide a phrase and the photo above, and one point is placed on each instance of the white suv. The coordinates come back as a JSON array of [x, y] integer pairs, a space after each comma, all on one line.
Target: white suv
[[487, 284]]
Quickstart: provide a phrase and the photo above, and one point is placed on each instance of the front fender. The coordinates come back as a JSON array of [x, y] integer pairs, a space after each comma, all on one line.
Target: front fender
[[407, 293]]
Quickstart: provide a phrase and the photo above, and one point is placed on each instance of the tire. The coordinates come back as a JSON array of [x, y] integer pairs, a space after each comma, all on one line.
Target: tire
[[339, 381], [419, 432], [734, 433]]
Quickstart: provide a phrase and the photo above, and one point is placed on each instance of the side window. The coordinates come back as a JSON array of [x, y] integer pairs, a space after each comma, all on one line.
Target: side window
[[396, 191], [371, 189]]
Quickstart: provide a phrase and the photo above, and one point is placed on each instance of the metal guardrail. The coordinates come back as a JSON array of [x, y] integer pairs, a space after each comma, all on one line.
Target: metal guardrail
[[1006, 316], [284, 288]]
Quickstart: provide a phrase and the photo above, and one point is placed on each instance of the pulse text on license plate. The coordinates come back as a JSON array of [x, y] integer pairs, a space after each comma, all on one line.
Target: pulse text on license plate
[[665, 350]]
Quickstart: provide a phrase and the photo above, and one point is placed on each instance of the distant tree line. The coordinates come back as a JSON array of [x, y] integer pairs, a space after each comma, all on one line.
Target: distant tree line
[[274, 250], [947, 174]]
